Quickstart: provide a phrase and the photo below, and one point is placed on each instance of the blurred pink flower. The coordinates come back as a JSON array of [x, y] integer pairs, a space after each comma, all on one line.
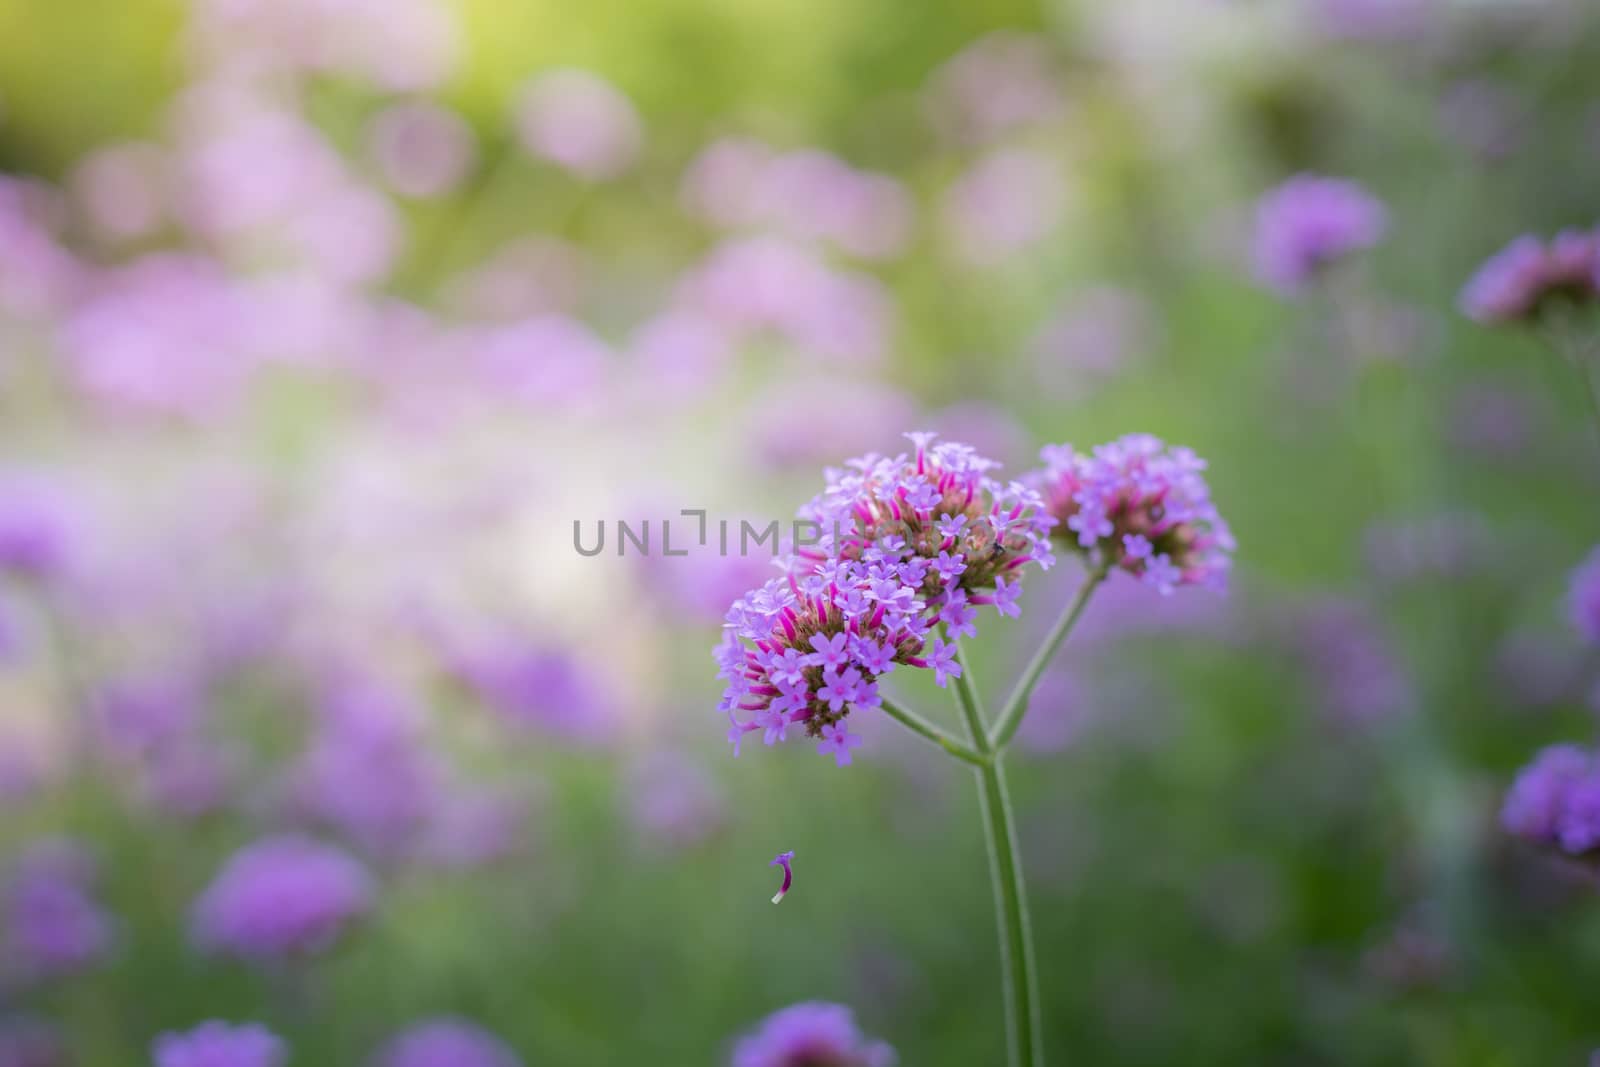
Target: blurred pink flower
[[679, 355], [124, 189], [767, 283], [549, 360], [165, 335], [1092, 337], [998, 84], [1007, 201], [245, 166], [673, 801], [422, 149], [807, 194], [529, 276], [394, 45], [580, 122]]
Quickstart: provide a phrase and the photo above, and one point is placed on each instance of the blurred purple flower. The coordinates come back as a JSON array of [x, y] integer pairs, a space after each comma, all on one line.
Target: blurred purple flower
[[190, 778], [672, 799], [394, 45], [367, 773], [281, 896], [679, 355], [218, 1044], [471, 826], [766, 283], [527, 277], [1092, 337], [422, 149], [245, 167], [1004, 203], [1535, 806], [810, 1033], [1583, 598], [539, 688], [580, 122], [446, 1042], [1308, 223], [165, 335], [1000, 83], [26, 1042], [550, 360], [1523, 279], [54, 925], [1352, 665], [138, 714], [807, 194], [39, 524], [1447, 546]]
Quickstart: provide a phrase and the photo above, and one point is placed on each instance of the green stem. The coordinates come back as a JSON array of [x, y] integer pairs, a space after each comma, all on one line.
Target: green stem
[[1017, 703], [923, 728], [1024, 1041]]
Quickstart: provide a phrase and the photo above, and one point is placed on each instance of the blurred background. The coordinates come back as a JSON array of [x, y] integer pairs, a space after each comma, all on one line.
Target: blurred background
[[322, 321]]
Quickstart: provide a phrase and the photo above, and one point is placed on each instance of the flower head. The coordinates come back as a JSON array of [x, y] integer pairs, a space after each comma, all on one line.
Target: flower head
[[810, 1033], [281, 896], [1142, 506], [446, 1043], [907, 542], [1524, 278], [217, 1044], [1310, 222], [54, 924], [1536, 807]]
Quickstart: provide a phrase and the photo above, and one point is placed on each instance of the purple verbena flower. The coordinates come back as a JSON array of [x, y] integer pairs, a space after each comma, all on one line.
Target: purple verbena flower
[[810, 1033], [1535, 807], [1308, 223], [907, 542], [943, 662], [837, 741], [1526, 277], [281, 896], [1149, 510], [446, 1043], [217, 1044]]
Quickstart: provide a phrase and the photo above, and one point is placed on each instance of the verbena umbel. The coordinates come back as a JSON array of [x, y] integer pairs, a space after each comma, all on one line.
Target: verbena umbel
[[1138, 506], [908, 543]]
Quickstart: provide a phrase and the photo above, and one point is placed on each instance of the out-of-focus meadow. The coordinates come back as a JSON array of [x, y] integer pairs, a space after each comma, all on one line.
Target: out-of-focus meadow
[[322, 321]]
